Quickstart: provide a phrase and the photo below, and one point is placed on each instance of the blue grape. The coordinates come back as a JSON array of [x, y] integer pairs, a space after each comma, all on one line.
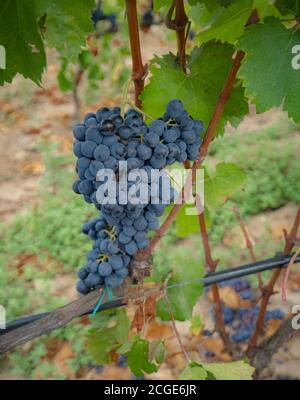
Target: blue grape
[[92, 280], [88, 116], [82, 273], [75, 186], [113, 281], [77, 149], [151, 139], [118, 150], [140, 223], [124, 239], [113, 247], [110, 140], [132, 148], [116, 262], [158, 163], [107, 127], [144, 152], [85, 187], [175, 108], [131, 248], [81, 287], [93, 135], [129, 230], [95, 166], [125, 132], [161, 151], [122, 272], [158, 126], [79, 131], [189, 136], [88, 148], [101, 153], [171, 135], [104, 269]]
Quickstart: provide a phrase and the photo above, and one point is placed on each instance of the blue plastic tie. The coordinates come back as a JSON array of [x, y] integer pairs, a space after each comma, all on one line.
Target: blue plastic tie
[[99, 304]]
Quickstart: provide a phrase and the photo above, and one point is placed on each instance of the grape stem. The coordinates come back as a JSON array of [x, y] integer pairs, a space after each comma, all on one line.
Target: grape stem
[[179, 24], [139, 110], [248, 242], [138, 69]]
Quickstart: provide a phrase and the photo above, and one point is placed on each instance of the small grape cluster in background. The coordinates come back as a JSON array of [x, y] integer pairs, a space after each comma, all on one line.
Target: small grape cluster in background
[[102, 141], [242, 321]]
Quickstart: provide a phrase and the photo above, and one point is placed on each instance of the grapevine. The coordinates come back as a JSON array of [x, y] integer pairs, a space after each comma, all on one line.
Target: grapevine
[[173, 112]]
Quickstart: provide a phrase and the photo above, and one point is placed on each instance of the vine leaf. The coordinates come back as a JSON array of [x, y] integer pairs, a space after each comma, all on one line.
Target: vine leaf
[[21, 38], [209, 66], [193, 371], [109, 331], [288, 7], [236, 370], [182, 298], [187, 224], [227, 181], [267, 71], [68, 22], [158, 4], [228, 24], [138, 357]]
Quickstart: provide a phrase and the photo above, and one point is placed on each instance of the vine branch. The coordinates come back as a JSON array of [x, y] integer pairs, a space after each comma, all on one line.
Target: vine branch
[[221, 103], [138, 69], [290, 240], [248, 242], [179, 24], [211, 265]]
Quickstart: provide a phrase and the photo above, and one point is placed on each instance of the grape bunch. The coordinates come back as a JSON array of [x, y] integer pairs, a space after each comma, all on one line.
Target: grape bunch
[[99, 16], [103, 142], [242, 321]]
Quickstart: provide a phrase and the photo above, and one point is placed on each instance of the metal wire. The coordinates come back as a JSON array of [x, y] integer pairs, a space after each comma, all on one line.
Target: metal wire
[[279, 261]]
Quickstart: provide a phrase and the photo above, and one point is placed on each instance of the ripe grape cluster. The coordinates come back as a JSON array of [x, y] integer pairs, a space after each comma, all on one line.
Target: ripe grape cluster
[[104, 141], [99, 16]]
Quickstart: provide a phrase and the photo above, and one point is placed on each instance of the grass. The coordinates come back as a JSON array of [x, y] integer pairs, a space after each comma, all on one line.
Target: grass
[[46, 242]]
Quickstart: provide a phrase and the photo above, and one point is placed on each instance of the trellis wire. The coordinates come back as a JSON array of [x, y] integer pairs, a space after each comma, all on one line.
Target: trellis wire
[[279, 261]]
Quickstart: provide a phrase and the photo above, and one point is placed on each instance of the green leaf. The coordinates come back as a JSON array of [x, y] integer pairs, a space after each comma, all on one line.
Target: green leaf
[[188, 224], [196, 325], [227, 181], [267, 71], [237, 370], [138, 357], [68, 22], [288, 7], [194, 372], [182, 298], [64, 81], [158, 4], [21, 38], [199, 90], [228, 24], [109, 331], [158, 350]]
